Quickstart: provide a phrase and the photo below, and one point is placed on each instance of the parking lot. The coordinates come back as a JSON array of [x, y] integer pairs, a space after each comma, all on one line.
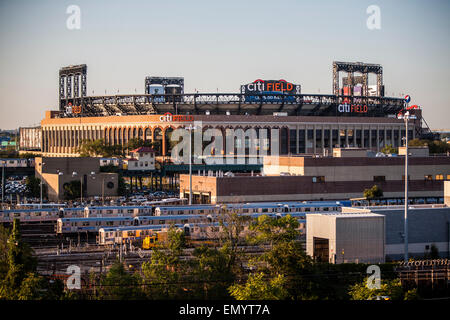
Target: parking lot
[[15, 185]]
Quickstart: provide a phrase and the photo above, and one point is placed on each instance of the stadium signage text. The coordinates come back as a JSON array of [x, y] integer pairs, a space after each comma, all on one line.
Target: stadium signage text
[[352, 108], [73, 109], [281, 86], [168, 117]]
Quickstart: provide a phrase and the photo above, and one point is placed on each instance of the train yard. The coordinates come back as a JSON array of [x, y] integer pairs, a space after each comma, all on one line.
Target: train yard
[[56, 248]]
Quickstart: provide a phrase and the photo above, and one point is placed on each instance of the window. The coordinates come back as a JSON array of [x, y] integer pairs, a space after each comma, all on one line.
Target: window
[[428, 177], [135, 164], [448, 177], [439, 177], [379, 178]]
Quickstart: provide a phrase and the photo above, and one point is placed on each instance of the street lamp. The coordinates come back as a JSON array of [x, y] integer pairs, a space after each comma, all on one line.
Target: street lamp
[[3, 180], [190, 128], [406, 118], [60, 173], [103, 186], [74, 174]]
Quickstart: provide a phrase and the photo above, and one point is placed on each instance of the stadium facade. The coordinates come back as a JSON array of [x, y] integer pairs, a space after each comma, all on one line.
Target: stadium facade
[[353, 116]]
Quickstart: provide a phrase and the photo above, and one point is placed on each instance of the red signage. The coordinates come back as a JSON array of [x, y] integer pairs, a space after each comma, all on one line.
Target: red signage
[[352, 108], [168, 117]]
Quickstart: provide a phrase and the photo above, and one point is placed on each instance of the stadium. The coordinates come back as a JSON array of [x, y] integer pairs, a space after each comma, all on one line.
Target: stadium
[[354, 115]]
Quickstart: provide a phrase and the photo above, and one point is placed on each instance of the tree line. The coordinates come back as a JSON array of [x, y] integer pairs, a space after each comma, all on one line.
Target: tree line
[[99, 148]]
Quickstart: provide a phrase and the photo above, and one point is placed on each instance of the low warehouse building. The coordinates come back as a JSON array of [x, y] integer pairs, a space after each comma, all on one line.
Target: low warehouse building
[[345, 175], [428, 226], [55, 172], [346, 237]]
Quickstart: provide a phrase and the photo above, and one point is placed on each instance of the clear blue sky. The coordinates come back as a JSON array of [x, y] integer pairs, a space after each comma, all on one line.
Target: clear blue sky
[[219, 45]]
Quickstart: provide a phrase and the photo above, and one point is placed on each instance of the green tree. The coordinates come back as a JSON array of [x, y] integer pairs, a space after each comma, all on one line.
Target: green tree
[[135, 143], [373, 193], [118, 284], [388, 288], [72, 190], [389, 149], [20, 281], [232, 236], [433, 254], [286, 256], [210, 273], [259, 287], [434, 146], [4, 236], [98, 148], [33, 185], [275, 230], [163, 272]]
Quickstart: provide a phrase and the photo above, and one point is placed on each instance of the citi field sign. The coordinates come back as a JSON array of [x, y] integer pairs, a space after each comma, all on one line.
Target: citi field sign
[[352, 108], [282, 86], [168, 117]]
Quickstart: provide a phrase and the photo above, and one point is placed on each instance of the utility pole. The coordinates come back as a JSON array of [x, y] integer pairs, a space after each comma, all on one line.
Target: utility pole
[[406, 116], [406, 189], [3, 181], [190, 128]]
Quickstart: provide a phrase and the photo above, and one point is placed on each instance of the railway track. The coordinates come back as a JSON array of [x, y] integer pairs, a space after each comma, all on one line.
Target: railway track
[[98, 259]]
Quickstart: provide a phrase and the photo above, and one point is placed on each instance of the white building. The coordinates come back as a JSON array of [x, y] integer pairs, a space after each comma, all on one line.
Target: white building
[[142, 158], [346, 237]]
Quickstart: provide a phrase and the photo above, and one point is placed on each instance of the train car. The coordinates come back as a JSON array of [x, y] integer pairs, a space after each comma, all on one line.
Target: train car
[[247, 208], [196, 228], [174, 219], [110, 161], [36, 214], [74, 225], [30, 215], [75, 212], [183, 210], [154, 239], [93, 224], [117, 235], [15, 162], [118, 211]]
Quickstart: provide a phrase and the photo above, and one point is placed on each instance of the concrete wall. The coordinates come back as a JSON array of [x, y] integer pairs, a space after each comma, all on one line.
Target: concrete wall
[[343, 169], [294, 188], [352, 237], [414, 151], [447, 193], [426, 226], [320, 226], [349, 152], [361, 239]]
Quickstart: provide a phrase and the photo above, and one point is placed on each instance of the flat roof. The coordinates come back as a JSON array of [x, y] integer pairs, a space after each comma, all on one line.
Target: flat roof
[[348, 214]]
